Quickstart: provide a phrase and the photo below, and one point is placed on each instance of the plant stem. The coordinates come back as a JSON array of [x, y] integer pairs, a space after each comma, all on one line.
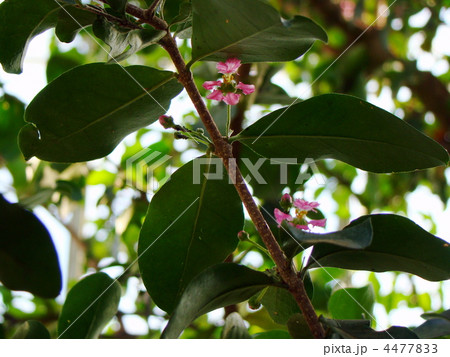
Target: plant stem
[[228, 121], [223, 149]]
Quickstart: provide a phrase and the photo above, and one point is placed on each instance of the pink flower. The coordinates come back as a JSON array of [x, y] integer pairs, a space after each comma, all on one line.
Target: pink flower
[[231, 65], [228, 89], [246, 88], [281, 216], [298, 221], [231, 98], [305, 205]]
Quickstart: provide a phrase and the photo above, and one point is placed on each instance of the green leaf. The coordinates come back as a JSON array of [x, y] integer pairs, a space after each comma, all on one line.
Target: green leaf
[[397, 244], [118, 5], [89, 306], [20, 21], [342, 127], [361, 329], [249, 30], [298, 327], [352, 303], [218, 286], [192, 223], [294, 240], [31, 330], [437, 325], [28, 259], [272, 335], [84, 113], [70, 21], [58, 63], [234, 327], [11, 120], [280, 304]]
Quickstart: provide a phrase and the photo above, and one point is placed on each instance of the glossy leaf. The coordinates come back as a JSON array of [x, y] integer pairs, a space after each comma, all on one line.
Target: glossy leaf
[[357, 236], [118, 5], [280, 304], [89, 306], [361, 329], [437, 325], [250, 30], [70, 21], [20, 21], [84, 113], [31, 330], [298, 327], [28, 259], [234, 327], [352, 303], [220, 285], [342, 127], [397, 244], [190, 225]]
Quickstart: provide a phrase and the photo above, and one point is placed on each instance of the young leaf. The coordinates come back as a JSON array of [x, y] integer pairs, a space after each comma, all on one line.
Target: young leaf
[[397, 244], [31, 330], [89, 306], [352, 303], [28, 259], [356, 236], [342, 127], [20, 21], [234, 327], [124, 43], [192, 223], [249, 30], [70, 21], [84, 113], [220, 285]]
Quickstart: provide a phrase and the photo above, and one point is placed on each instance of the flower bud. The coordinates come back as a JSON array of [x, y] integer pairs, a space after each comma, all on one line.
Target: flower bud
[[286, 202], [243, 236], [166, 121]]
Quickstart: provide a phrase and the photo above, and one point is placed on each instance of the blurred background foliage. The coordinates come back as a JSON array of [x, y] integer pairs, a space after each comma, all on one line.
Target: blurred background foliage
[[392, 57]]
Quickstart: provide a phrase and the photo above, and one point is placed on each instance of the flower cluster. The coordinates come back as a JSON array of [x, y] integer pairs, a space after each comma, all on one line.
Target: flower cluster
[[302, 208], [228, 89]]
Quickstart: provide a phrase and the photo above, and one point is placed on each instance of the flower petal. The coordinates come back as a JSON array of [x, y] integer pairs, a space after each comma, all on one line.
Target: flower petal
[[246, 88], [318, 222], [231, 65], [209, 85], [281, 216], [215, 95], [231, 98], [305, 205]]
